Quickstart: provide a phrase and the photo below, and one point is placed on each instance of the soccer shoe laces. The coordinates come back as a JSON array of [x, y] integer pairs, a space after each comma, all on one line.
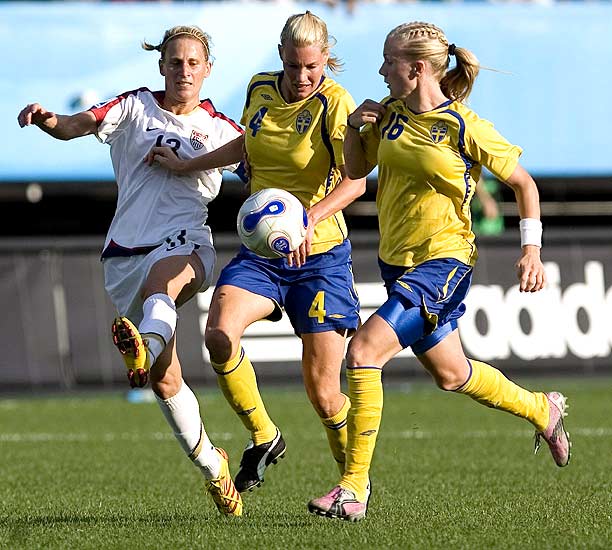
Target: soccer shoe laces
[[221, 495], [223, 491]]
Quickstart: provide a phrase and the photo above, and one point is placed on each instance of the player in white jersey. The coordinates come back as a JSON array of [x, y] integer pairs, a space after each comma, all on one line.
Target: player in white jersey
[[158, 252], [131, 124]]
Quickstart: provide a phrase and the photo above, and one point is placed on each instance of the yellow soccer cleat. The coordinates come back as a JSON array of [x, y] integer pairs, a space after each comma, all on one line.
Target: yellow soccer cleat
[[223, 491], [132, 347]]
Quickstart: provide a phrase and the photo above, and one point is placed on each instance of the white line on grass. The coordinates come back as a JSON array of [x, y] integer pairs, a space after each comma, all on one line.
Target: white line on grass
[[484, 434], [84, 437], [225, 436]]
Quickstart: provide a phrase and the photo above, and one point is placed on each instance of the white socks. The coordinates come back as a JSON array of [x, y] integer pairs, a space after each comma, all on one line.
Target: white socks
[[159, 323], [182, 412]]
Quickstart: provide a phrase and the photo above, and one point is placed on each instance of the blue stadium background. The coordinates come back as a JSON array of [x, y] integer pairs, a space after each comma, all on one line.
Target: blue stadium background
[[547, 92]]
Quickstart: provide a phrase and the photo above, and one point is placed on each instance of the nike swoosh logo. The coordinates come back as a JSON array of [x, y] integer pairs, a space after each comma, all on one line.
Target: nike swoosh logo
[[153, 128]]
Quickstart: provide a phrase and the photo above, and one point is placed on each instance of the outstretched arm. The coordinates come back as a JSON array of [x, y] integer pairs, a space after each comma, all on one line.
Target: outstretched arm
[[230, 153], [62, 127], [529, 268]]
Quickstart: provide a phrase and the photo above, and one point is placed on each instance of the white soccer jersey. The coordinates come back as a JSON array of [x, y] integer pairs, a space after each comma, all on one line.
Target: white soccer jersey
[[153, 202]]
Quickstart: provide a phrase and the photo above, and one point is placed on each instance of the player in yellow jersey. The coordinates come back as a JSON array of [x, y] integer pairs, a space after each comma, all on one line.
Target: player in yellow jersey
[[295, 121], [429, 148]]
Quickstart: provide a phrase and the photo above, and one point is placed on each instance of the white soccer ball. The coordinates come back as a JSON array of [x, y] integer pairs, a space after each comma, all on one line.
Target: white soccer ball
[[272, 223]]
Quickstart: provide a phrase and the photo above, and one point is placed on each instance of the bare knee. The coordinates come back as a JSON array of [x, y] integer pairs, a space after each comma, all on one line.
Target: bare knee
[[146, 291], [219, 345], [165, 382], [322, 384], [324, 401], [448, 380], [357, 353], [153, 287]]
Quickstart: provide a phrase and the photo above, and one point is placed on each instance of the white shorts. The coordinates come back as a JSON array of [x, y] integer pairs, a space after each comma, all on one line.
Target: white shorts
[[124, 277]]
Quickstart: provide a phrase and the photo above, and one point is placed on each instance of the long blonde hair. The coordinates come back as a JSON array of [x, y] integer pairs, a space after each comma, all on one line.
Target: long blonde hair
[[306, 29], [419, 40], [180, 30]]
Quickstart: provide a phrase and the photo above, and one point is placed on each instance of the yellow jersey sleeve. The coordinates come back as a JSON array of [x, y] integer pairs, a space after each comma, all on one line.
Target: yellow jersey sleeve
[[487, 147], [339, 110]]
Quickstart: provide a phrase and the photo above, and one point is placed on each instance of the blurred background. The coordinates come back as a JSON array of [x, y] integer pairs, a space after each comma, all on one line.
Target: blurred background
[[546, 91]]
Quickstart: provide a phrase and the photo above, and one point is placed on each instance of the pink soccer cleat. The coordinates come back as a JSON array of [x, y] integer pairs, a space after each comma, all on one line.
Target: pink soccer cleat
[[555, 435], [340, 503]]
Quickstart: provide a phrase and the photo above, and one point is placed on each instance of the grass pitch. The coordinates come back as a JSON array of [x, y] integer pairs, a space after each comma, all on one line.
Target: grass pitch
[[94, 471]]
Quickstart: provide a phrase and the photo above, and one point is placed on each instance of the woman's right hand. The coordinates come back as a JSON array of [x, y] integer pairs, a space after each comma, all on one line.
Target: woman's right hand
[[167, 158], [369, 111], [34, 113]]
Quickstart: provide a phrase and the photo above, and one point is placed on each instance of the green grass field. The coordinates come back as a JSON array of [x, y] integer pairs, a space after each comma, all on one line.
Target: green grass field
[[94, 471]]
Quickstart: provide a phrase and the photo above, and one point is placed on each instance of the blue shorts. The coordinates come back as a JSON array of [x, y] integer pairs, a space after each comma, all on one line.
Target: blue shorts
[[319, 296], [437, 288]]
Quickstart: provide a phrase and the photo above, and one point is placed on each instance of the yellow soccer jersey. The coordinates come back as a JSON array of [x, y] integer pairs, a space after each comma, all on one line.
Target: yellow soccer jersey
[[298, 146], [428, 166]]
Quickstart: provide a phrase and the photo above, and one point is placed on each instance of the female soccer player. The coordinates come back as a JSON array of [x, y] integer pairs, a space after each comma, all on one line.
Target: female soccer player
[[295, 121], [429, 148], [158, 252]]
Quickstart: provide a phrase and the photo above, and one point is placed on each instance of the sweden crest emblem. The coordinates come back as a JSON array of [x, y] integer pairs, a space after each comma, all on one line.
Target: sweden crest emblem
[[438, 131], [303, 121]]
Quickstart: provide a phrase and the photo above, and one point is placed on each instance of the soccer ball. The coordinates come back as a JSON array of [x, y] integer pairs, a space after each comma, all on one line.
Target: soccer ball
[[272, 223]]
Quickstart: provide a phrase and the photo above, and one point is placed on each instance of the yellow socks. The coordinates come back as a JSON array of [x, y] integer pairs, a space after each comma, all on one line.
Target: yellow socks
[[237, 380], [490, 387], [366, 393], [335, 428]]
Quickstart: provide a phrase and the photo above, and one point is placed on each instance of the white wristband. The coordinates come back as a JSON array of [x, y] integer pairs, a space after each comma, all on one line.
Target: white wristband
[[531, 232]]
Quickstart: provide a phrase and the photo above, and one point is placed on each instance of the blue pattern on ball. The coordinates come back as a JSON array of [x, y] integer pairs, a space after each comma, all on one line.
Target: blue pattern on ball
[[273, 208]]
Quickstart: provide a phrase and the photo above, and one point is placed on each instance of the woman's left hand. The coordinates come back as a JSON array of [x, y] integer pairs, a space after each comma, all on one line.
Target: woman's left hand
[[530, 270], [166, 157]]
